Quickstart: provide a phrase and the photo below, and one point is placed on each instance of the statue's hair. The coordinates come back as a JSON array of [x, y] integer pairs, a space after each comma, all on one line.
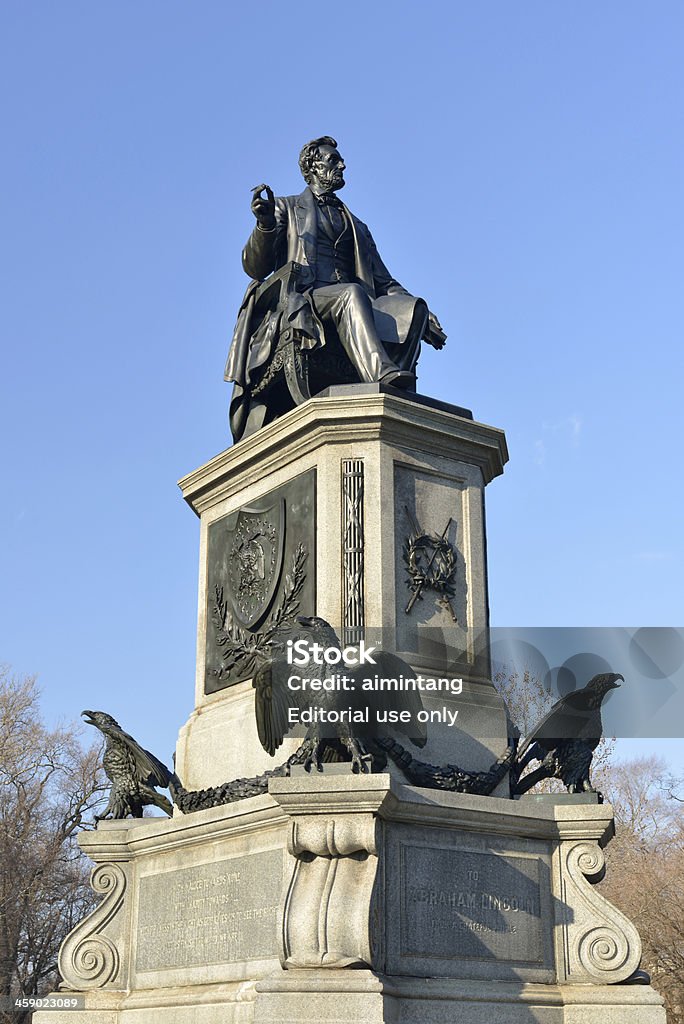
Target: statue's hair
[[311, 152]]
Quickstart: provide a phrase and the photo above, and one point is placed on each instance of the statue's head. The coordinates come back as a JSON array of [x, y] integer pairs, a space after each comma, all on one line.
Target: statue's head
[[321, 165]]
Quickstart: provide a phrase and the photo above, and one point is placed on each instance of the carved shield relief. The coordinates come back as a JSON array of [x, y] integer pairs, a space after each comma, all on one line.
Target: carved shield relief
[[260, 575], [255, 560]]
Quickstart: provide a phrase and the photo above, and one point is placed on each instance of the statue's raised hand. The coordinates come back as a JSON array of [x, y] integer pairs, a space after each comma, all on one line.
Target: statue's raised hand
[[263, 207]]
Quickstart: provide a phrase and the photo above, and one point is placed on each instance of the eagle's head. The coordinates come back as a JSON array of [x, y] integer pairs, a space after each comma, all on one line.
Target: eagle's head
[[101, 720], [319, 630], [600, 685]]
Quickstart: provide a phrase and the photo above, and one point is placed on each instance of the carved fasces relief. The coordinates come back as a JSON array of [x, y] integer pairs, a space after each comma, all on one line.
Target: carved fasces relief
[[332, 913], [260, 575], [596, 943], [89, 958], [353, 543]]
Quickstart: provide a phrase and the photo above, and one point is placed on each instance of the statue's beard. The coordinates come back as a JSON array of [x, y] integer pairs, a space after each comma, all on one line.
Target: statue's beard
[[330, 181]]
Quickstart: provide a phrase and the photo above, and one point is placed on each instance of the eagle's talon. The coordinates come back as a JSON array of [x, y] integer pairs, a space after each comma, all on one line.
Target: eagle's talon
[[355, 748], [313, 758]]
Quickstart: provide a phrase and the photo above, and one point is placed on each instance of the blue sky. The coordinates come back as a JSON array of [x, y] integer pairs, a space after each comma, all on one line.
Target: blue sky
[[520, 166]]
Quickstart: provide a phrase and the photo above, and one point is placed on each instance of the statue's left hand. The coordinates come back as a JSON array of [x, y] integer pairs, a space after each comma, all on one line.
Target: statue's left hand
[[435, 333]]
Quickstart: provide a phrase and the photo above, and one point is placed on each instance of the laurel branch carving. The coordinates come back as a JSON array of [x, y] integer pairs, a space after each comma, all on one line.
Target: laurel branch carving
[[238, 646]]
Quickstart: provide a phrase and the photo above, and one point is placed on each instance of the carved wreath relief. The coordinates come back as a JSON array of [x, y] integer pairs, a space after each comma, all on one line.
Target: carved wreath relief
[[431, 564], [260, 572]]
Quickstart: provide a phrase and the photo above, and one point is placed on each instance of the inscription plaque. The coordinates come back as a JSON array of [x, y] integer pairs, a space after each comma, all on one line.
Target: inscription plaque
[[470, 904], [210, 914]]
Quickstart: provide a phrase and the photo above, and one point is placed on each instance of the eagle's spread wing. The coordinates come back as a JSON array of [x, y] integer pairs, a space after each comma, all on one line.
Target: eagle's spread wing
[[149, 770], [572, 716], [271, 703], [561, 722]]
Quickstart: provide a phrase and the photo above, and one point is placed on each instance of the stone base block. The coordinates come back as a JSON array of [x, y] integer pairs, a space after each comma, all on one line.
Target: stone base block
[[356, 898], [372, 999], [338, 997]]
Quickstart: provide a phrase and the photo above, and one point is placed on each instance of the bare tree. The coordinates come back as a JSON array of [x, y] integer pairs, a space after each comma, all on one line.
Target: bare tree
[[645, 861], [50, 787]]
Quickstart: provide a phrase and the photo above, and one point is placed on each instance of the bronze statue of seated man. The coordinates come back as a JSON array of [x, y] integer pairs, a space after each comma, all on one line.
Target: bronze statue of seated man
[[322, 307]]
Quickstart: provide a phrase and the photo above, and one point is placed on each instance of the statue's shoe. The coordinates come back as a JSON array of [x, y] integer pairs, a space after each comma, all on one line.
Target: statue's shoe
[[399, 379]]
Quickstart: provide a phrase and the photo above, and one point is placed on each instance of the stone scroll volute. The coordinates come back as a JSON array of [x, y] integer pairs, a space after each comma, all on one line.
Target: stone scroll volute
[[597, 943], [89, 957]]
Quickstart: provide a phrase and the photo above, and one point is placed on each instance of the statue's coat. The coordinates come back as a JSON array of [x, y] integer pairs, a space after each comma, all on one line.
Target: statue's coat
[[294, 240]]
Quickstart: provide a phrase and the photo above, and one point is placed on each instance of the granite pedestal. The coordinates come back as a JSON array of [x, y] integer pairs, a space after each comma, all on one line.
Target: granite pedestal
[[336, 897], [353, 475], [344, 898]]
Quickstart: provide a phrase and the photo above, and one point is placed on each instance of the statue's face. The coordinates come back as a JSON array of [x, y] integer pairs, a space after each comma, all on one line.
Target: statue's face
[[328, 171]]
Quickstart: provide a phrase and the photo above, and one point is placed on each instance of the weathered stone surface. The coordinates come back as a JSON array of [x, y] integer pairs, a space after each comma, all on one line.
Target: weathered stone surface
[[447, 906], [96, 952], [422, 455], [464, 903], [469, 902], [365, 873], [210, 914], [291, 997]]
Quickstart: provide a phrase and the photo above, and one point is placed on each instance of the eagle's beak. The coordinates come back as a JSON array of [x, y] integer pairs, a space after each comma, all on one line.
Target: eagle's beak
[[615, 685], [304, 620], [88, 715]]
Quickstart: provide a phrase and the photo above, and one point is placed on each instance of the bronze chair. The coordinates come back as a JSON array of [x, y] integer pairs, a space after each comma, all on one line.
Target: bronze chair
[[293, 373]]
